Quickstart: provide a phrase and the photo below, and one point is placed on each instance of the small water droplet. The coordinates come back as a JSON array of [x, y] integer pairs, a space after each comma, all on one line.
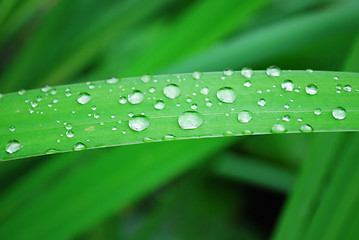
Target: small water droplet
[[339, 113], [306, 128], [273, 71], [70, 134], [247, 72], [84, 98], [244, 116], [278, 128], [159, 105], [12, 129], [336, 78], [146, 78], [286, 118], [52, 151], [46, 88], [247, 132], [139, 123], [79, 146], [196, 75], [12, 146], [123, 100], [262, 102], [136, 97], [228, 72], [112, 80], [347, 88], [152, 90], [169, 137], [311, 89], [68, 93], [194, 106], [287, 86], [171, 91], [209, 104], [21, 92], [190, 120], [226, 95], [204, 91], [317, 111], [309, 70], [247, 84]]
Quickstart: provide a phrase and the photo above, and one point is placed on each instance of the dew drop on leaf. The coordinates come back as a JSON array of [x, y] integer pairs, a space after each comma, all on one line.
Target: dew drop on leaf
[[146, 78], [287, 86], [46, 88], [262, 102], [311, 89], [247, 84], [79, 146], [21, 92], [247, 72], [306, 128], [273, 71], [317, 111], [70, 134], [226, 95], [339, 113], [112, 80], [196, 75], [169, 137], [139, 123], [159, 105], [190, 120], [244, 116], [12, 146], [12, 129], [84, 98], [228, 72], [204, 91], [123, 100], [51, 151], [171, 91], [278, 128], [136, 97]]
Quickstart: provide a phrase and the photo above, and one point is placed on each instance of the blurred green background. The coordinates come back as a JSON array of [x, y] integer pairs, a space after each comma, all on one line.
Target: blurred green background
[[257, 187]]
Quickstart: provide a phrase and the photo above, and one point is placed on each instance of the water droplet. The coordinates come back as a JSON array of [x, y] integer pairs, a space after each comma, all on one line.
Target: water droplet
[[278, 128], [1, 96], [21, 92], [152, 90], [84, 98], [339, 113], [123, 100], [286, 118], [247, 72], [244, 116], [12, 128], [190, 120], [273, 71], [79, 146], [247, 84], [309, 70], [12, 146], [52, 151], [317, 111], [146, 78], [194, 106], [226, 95], [159, 105], [112, 80], [204, 91], [139, 123], [287, 86], [311, 89], [70, 134], [136, 97], [168, 137], [46, 88], [209, 104], [68, 93], [262, 102], [336, 78], [228, 72], [196, 75], [172, 91], [306, 128], [347, 88]]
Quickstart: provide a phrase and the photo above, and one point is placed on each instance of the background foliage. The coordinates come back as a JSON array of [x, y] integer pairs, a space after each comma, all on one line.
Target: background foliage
[[280, 186]]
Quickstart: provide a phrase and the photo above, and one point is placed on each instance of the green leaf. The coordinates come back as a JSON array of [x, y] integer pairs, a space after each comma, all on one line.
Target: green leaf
[[167, 107]]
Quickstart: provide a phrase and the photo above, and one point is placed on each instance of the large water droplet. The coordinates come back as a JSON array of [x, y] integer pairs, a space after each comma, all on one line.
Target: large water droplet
[[172, 91], [247, 72], [273, 71], [12, 146], [84, 98], [139, 123], [287, 86], [306, 128], [79, 146], [311, 89], [226, 95], [136, 97], [244, 116], [190, 120], [339, 113], [278, 128], [159, 105]]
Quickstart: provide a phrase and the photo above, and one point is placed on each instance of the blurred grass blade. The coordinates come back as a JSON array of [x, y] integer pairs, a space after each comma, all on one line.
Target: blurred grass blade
[[181, 106], [253, 171], [275, 40]]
